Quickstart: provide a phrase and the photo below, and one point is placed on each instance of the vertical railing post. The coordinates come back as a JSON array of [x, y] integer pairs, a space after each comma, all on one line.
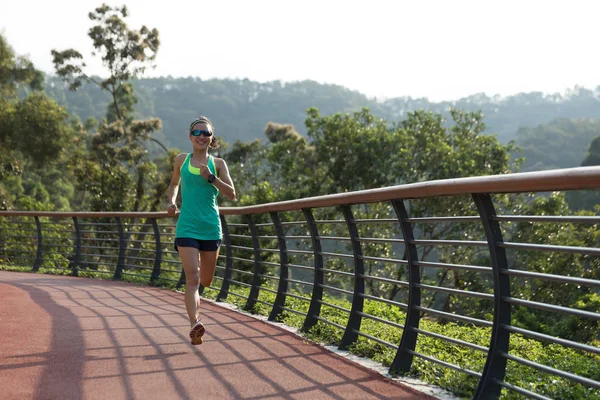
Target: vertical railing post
[[222, 296], [157, 252], [255, 287], [122, 247], [75, 263], [495, 365], [355, 318], [314, 310], [283, 269], [404, 358], [38, 255]]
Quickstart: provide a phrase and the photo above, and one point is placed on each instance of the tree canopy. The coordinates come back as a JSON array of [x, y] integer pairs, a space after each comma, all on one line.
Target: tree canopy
[[117, 171], [35, 132]]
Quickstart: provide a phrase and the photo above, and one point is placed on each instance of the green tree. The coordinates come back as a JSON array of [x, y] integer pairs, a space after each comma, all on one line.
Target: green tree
[[250, 169], [593, 156], [347, 145], [587, 199], [557, 263], [35, 132], [124, 52], [117, 171], [16, 72], [347, 152], [293, 163]]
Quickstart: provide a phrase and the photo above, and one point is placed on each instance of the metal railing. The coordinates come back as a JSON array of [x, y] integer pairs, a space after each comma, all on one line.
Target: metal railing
[[360, 264]]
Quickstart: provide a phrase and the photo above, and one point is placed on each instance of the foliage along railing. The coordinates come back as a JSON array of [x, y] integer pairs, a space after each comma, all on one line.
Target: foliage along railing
[[357, 267]]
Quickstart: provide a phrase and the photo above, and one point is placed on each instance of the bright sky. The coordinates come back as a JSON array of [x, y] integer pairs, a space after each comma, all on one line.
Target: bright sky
[[442, 50]]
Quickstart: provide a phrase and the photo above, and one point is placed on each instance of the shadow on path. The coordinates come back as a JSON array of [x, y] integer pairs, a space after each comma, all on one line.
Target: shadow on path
[[120, 341]]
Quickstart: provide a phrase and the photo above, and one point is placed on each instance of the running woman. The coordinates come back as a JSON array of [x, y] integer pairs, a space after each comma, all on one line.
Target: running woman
[[198, 234]]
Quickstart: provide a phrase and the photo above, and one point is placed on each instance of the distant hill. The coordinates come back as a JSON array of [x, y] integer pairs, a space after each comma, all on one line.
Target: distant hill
[[561, 143], [240, 109]]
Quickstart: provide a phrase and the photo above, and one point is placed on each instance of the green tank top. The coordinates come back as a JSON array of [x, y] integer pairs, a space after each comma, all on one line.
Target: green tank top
[[199, 214]]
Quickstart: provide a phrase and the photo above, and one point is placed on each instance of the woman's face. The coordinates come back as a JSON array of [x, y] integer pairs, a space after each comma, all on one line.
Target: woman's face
[[201, 142]]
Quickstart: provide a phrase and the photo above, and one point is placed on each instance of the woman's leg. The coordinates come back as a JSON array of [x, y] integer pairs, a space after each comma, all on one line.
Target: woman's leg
[[208, 264], [191, 267]]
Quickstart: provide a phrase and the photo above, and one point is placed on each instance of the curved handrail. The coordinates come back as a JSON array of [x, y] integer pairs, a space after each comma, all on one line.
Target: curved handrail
[[539, 181]]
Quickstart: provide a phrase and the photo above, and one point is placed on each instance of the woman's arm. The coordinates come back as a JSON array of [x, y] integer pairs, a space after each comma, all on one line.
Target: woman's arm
[[174, 185], [224, 182]]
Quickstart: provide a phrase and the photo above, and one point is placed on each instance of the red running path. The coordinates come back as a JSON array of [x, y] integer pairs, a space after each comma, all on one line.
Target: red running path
[[79, 338]]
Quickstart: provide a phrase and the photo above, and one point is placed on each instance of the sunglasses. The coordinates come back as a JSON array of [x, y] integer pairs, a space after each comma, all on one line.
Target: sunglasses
[[198, 132]]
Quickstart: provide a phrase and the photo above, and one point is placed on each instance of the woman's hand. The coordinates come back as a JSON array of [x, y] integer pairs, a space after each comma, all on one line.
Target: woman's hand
[[204, 171], [171, 210]]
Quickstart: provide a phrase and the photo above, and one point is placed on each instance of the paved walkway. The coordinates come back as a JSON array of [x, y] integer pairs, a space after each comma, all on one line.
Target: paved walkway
[[79, 338]]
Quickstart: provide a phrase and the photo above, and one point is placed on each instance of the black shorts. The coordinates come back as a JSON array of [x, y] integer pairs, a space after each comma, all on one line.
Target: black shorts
[[202, 245]]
